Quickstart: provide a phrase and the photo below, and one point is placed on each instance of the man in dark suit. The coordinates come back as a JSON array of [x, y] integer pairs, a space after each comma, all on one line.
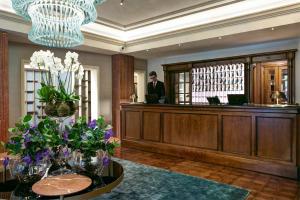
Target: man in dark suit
[[155, 87]]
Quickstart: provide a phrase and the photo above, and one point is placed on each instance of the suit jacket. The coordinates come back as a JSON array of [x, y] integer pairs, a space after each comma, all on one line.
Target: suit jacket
[[159, 89]]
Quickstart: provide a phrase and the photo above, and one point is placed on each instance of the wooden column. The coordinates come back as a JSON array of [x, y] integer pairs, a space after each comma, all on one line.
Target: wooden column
[[122, 86], [4, 118]]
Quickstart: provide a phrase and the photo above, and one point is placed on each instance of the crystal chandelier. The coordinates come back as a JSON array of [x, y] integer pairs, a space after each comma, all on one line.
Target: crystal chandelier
[[57, 23]]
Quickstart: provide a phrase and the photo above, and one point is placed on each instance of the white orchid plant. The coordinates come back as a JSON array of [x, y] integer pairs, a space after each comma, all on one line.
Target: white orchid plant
[[55, 70]]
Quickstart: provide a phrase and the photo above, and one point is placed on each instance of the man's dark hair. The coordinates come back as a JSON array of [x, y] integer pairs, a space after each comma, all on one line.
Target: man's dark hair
[[153, 73]]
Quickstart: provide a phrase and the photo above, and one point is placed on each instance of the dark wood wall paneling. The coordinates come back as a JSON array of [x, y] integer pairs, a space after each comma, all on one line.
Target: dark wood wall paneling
[[255, 138], [191, 130], [252, 75], [4, 99], [122, 85], [237, 134]]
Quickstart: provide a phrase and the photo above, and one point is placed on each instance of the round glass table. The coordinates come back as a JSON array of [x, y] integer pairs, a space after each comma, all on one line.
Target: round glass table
[[111, 178]]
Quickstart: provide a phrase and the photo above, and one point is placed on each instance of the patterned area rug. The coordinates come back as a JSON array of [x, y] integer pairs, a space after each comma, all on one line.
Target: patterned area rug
[[143, 182]]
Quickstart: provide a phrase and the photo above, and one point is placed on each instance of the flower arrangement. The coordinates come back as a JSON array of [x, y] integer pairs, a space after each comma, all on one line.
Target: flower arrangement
[[60, 99], [90, 137], [51, 142], [36, 144]]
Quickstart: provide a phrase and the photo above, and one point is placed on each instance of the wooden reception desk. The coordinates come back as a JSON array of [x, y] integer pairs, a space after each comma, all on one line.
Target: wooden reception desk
[[255, 137]]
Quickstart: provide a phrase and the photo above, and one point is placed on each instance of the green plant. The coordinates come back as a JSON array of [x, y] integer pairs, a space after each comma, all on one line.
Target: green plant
[[34, 143], [55, 71], [49, 93], [91, 137]]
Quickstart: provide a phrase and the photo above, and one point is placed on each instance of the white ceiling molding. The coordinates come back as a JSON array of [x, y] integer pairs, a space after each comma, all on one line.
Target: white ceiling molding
[[167, 16], [278, 17], [242, 16]]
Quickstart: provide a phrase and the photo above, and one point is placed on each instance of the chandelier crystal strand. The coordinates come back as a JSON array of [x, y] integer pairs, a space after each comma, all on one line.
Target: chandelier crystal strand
[[57, 23]]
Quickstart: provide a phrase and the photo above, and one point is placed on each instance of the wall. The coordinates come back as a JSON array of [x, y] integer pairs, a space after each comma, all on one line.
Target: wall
[[140, 68], [156, 64], [19, 52]]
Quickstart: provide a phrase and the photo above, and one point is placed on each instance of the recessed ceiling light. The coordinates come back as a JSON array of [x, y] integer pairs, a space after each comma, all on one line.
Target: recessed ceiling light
[[122, 2], [220, 38], [272, 28]]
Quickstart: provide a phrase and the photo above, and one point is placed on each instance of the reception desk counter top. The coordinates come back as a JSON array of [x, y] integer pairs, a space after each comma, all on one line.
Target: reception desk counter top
[[263, 138], [257, 107]]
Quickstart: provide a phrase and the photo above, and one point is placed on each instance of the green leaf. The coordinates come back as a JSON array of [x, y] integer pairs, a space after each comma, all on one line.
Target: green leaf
[[27, 118], [11, 130]]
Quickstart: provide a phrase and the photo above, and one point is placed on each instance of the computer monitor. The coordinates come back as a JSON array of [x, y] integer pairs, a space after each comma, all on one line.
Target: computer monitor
[[213, 100], [151, 98], [237, 99]]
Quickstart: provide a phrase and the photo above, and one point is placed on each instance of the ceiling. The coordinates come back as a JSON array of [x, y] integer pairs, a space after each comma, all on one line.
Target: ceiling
[[138, 11], [160, 25], [248, 38]]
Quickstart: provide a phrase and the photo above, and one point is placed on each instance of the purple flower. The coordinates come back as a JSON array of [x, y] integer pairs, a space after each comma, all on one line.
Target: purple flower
[[65, 136], [39, 156], [72, 121], [93, 124], [27, 139], [27, 159], [12, 142], [108, 134], [46, 153], [32, 127], [105, 161], [5, 161], [66, 152]]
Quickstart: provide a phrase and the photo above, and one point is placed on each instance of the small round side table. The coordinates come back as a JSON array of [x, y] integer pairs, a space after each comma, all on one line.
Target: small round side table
[[61, 185]]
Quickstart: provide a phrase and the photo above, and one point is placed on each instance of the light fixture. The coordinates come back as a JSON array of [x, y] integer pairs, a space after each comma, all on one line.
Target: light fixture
[[57, 23], [272, 28], [122, 2], [220, 38]]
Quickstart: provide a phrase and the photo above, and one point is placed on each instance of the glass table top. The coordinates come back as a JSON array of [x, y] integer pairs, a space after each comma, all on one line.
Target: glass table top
[[111, 177]]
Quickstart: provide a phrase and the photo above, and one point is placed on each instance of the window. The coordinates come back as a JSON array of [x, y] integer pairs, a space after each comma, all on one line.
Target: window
[[217, 80], [31, 81], [182, 88], [87, 89]]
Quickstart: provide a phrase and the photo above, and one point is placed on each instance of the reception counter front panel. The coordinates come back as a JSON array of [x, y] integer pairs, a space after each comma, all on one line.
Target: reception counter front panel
[[258, 138]]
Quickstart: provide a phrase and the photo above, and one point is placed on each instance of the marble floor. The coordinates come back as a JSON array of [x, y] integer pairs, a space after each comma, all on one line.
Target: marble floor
[[262, 186]]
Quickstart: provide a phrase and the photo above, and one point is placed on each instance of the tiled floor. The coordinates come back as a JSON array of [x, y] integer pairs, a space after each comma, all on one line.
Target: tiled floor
[[262, 186]]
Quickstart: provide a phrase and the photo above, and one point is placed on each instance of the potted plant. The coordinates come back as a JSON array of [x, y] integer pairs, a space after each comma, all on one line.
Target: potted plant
[[59, 98], [93, 141], [34, 146]]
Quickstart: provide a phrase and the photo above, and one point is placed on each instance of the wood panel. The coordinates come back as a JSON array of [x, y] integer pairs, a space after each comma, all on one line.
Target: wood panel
[[257, 84], [133, 125], [250, 73], [259, 138], [205, 128], [191, 130], [4, 99], [122, 85], [274, 138], [200, 154], [151, 126], [237, 134], [176, 128]]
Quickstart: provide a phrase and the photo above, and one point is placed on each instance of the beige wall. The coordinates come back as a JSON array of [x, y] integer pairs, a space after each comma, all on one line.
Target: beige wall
[[140, 68], [19, 52]]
